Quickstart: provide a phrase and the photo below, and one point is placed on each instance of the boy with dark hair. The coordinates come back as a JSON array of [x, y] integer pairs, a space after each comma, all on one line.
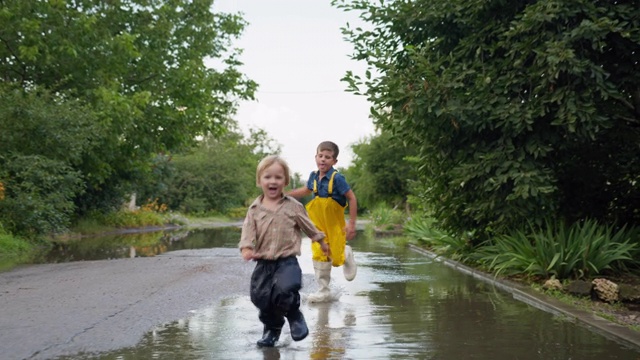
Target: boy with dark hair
[[331, 195]]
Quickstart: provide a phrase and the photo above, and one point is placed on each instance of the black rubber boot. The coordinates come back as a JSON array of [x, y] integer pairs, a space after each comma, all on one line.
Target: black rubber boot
[[298, 326], [269, 337]]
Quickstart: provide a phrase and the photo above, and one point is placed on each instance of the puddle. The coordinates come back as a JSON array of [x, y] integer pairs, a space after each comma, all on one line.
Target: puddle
[[401, 305], [144, 244]]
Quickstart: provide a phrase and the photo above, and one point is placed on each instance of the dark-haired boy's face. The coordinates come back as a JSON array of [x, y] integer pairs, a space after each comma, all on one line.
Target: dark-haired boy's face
[[325, 160]]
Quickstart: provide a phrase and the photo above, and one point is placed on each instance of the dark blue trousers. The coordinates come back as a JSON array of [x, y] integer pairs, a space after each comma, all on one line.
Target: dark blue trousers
[[275, 286]]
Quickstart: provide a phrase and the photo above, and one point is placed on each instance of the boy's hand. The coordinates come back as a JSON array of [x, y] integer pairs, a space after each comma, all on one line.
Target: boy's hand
[[325, 248], [247, 254], [350, 230]]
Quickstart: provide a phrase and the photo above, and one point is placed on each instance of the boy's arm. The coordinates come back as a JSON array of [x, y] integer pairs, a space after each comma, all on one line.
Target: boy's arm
[[353, 214], [247, 236], [300, 192]]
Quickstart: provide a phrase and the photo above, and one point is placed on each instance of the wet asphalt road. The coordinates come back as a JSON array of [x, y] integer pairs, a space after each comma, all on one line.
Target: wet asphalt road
[[66, 309], [61, 309]]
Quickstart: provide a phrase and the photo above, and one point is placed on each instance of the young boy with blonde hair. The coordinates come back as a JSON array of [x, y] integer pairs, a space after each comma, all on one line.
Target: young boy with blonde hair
[[331, 195], [271, 235]]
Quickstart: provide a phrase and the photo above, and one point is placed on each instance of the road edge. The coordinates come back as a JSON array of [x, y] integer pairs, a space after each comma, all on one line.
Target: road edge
[[604, 327]]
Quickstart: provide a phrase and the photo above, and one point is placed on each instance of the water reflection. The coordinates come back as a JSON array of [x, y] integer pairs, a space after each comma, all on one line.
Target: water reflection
[[141, 244], [402, 305]]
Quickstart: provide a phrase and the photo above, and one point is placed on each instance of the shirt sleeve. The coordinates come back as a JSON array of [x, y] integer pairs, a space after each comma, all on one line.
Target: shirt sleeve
[[310, 180], [249, 233], [340, 185]]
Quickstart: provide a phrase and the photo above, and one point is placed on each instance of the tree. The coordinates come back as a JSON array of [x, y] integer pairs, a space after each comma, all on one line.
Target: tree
[[138, 66], [42, 138], [381, 170], [216, 176], [522, 109]]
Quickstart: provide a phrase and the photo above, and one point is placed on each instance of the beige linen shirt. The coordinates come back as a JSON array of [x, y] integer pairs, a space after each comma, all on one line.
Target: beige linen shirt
[[277, 234]]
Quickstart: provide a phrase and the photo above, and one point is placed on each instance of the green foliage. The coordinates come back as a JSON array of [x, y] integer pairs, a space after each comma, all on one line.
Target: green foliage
[[43, 137], [583, 250], [39, 195], [90, 224], [96, 222], [120, 219], [13, 250], [40, 123], [11, 245], [385, 217], [520, 109], [237, 213], [424, 230], [214, 177], [176, 219], [380, 170], [151, 75], [133, 219]]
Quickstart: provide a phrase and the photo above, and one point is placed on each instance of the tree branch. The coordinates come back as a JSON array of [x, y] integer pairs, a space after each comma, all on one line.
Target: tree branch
[[22, 65]]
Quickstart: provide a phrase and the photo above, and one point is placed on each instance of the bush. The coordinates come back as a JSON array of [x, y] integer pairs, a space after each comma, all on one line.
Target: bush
[[237, 213], [11, 245], [43, 140], [583, 250], [424, 231], [38, 195], [385, 217], [13, 250], [132, 219], [95, 221], [516, 115]]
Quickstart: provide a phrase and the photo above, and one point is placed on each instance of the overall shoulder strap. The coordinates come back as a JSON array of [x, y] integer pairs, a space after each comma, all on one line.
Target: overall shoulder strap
[[331, 182], [315, 182]]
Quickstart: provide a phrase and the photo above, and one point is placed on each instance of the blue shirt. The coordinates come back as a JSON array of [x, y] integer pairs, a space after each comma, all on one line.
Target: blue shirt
[[340, 186]]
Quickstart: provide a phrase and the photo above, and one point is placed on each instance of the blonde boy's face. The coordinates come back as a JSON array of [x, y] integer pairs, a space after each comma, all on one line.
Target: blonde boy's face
[[272, 181], [325, 160]]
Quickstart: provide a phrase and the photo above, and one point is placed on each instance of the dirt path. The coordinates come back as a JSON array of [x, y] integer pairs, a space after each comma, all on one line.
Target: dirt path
[[61, 309]]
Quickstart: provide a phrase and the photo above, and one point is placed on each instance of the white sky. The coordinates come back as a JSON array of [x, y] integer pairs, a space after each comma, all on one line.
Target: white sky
[[295, 51]]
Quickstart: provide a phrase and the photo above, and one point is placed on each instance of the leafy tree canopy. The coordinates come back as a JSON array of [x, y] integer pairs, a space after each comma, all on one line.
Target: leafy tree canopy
[[521, 109], [138, 66], [381, 170], [217, 176], [41, 138]]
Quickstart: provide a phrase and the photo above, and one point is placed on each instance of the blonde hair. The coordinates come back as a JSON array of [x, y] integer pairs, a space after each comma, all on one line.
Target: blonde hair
[[268, 161], [331, 146]]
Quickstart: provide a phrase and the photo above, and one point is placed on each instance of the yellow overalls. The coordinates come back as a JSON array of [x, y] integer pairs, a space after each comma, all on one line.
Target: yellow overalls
[[328, 216]]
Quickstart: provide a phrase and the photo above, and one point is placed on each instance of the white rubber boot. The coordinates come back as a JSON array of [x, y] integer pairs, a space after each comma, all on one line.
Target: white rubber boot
[[349, 267], [323, 278]]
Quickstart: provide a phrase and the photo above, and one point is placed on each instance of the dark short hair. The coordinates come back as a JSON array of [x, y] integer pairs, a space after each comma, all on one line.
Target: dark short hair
[[331, 146]]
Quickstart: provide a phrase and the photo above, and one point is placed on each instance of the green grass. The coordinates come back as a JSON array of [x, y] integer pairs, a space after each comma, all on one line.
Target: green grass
[[385, 217], [441, 243], [96, 223], [14, 250], [90, 226], [134, 219], [10, 245]]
